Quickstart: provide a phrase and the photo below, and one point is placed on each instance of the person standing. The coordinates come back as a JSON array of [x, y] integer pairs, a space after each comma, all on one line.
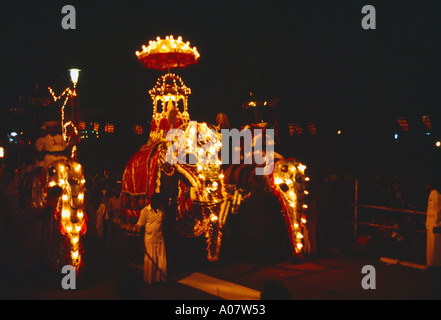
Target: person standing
[[115, 203], [433, 224], [52, 145], [155, 260]]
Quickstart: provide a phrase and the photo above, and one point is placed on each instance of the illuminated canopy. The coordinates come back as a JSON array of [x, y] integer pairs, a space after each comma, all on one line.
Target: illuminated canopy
[[168, 53]]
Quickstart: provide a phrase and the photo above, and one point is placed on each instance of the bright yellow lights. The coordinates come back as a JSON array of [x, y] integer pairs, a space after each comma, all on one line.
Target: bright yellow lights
[[277, 180], [438, 143], [72, 220], [2, 152], [289, 183], [65, 214], [167, 45]]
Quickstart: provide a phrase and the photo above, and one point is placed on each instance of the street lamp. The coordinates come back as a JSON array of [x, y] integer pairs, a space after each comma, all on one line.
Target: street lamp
[[74, 74]]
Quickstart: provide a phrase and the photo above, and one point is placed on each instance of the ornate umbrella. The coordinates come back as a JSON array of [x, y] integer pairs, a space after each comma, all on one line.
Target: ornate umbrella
[[168, 53]]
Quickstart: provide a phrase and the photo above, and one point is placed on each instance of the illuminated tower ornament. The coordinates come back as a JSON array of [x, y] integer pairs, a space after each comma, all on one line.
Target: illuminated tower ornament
[[170, 93]]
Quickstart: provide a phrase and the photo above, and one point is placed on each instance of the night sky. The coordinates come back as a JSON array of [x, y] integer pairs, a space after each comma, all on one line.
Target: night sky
[[312, 55]]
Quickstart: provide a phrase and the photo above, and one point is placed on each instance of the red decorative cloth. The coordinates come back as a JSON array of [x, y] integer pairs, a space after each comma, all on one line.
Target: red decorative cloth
[[139, 180]]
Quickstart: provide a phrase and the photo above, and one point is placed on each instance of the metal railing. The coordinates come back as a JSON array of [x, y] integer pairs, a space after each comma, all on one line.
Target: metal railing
[[357, 205]]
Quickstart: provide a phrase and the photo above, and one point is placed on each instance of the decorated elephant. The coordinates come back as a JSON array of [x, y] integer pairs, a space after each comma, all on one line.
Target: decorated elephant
[[171, 164], [286, 182], [58, 192]]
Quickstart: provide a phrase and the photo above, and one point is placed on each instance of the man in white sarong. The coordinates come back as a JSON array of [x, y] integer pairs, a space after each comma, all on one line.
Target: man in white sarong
[[155, 260], [433, 224]]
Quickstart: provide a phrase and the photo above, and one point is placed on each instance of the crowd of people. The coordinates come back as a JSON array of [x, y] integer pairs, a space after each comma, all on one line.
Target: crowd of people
[[103, 206]]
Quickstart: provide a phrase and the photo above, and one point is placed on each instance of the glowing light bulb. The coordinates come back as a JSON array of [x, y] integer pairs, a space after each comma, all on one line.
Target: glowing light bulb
[[80, 214], [303, 220], [65, 214], [75, 255], [277, 180], [74, 74], [305, 206], [64, 197], [75, 240]]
